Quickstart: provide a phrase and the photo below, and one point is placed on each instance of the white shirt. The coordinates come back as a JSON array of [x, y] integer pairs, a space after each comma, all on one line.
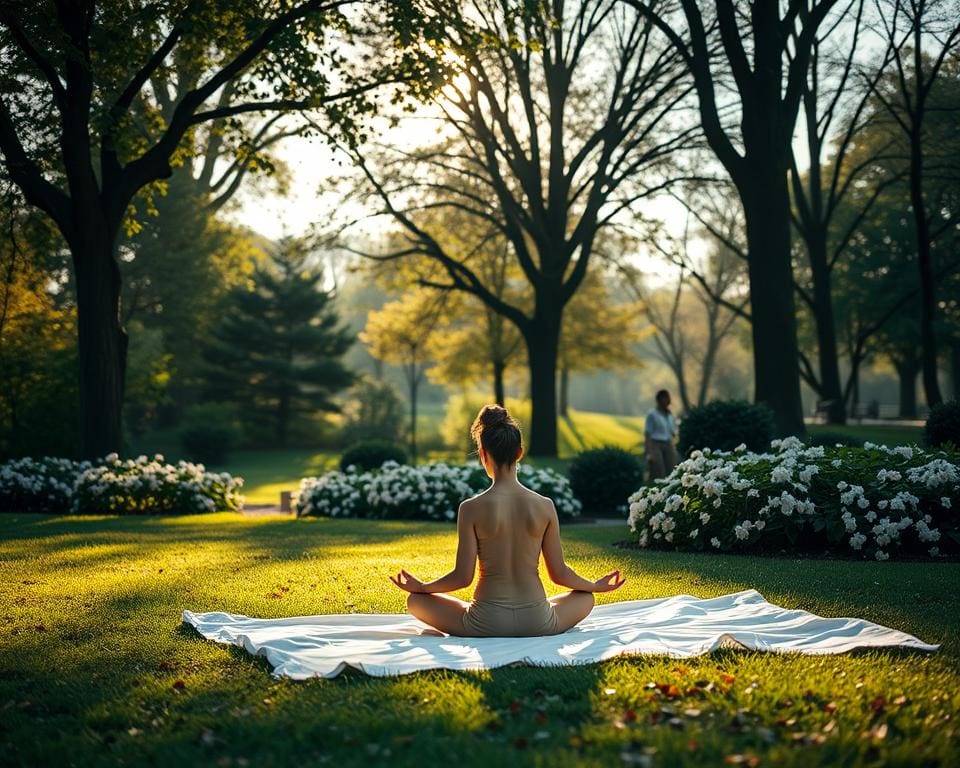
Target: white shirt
[[659, 425]]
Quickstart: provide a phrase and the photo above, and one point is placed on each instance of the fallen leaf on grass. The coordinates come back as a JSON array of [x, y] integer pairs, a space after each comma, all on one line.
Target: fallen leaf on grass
[[878, 704], [179, 685], [830, 707], [748, 760], [728, 679]]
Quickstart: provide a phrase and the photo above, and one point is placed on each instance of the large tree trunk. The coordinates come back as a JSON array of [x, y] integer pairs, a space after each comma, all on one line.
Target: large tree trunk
[[828, 357], [907, 373], [414, 382], [564, 390], [766, 204], [928, 339], [102, 341], [499, 368], [542, 336], [955, 368]]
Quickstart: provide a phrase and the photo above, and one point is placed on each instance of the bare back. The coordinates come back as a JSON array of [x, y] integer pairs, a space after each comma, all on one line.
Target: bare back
[[509, 527]]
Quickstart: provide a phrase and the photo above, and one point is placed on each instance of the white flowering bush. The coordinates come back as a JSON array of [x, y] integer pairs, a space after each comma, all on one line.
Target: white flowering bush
[[38, 485], [872, 502], [149, 486], [431, 491], [115, 486]]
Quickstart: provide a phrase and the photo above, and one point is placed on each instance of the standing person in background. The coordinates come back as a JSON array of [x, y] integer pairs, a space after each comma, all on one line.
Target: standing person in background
[[659, 430]]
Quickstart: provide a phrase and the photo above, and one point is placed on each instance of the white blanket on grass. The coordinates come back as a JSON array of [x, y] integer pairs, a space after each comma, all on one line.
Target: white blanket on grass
[[301, 647]]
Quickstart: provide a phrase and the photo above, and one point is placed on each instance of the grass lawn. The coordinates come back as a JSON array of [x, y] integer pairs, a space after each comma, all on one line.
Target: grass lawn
[[96, 668], [887, 434]]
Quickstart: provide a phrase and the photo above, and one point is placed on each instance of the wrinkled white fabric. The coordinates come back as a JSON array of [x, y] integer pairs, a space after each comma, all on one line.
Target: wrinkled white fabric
[[301, 647]]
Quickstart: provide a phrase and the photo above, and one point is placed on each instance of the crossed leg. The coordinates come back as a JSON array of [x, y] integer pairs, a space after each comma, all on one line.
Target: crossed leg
[[438, 610], [446, 613], [572, 608]]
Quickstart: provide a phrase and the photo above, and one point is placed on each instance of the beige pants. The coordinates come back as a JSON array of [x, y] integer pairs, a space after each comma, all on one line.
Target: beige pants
[[662, 459]]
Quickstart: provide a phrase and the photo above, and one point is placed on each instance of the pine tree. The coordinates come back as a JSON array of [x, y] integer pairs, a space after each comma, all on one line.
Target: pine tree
[[277, 352]]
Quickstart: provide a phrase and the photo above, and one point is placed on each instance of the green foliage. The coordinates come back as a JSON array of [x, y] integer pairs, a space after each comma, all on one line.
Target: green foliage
[[145, 486], [210, 431], [943, 425], [432, 491], [603, 478], [371, 454], [373, 410], [39, 388], [725, 424], [874, 502], [277, 351], [44, 485]]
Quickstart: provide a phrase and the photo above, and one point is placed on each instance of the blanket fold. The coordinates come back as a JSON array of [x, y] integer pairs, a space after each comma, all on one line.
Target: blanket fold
[[301, 647]]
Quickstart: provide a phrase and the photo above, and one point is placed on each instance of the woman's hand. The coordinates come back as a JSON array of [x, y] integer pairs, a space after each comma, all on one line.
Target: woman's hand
[[407, 581], [609, 582]]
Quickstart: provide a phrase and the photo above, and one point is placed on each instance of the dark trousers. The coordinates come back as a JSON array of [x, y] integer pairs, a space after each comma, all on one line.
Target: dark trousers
[[662, 459]]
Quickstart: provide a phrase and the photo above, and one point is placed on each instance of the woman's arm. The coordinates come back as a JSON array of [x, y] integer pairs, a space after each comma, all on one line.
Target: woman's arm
[[466, 563], [561, 573]]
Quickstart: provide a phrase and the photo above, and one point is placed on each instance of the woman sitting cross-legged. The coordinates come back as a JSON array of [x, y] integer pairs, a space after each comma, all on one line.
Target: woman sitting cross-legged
[[506, 527]]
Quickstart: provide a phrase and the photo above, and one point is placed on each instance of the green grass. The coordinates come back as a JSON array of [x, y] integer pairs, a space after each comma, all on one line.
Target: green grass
[[892, 434], [96, 669], [266, 473]]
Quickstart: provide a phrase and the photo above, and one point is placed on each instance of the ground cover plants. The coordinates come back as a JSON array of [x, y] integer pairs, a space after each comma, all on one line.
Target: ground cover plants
[[96, 668], [875, 502], [116, 486], [431, 491]]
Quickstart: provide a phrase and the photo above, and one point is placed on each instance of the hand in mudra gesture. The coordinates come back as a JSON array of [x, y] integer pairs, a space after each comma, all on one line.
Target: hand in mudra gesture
[[609, 582], [407, 581]]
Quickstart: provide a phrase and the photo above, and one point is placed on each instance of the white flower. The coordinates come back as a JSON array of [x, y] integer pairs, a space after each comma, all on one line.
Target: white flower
[[945, 502], [871, 516], [760, 524], [668, 536], [715, 542], [857, 540], [881, 555], [694, 532], [933, 551], [704, 517], [753, 492]]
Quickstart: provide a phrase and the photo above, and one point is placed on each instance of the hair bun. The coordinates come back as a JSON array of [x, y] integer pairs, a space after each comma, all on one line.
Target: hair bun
[[494, 416]]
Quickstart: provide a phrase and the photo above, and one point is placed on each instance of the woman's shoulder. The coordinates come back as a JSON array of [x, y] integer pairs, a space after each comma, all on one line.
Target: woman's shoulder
[[488, 495]]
